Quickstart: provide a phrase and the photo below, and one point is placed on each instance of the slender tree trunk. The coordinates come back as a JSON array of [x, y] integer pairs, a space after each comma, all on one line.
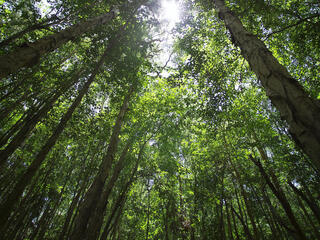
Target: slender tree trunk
[[96, 221], [311, 203], [91, 198], [75, 201], [10, 133], [5, 111], [234, 223], [307, 216], [277, 219], [23, 93], [269, 218], [282, 199], [70, 212], [245, 226], [46, 225], [148, 214], [250, 212], [30, 122], [120, 200], [30, 54], [17, 191], [116, 224], [116, 211], [241, 213], [301, 112], [246, 200], [221, 220], [229, 223], [30, 202]]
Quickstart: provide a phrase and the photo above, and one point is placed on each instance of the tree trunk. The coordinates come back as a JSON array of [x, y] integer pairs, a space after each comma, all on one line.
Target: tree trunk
[[282, 199], [245, 226], [266, 213], [31, 121], [301, 112], [311, 203], [308, 218], [17, 191], [38, 26], [29, 54], [275, 216], [120, 200], [75, 201], [246, 200], [91, 198], [148, 213], [70, 212], [229, 223], [96, 220]]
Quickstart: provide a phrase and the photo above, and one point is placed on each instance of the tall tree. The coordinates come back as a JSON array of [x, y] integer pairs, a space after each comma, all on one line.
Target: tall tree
[[29, 54], [301, 112]]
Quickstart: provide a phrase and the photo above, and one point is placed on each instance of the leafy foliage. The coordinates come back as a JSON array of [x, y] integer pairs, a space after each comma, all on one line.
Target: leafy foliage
[[208, 156]]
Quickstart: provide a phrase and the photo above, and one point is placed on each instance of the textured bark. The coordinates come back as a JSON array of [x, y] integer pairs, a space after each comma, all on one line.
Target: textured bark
[[301, 112], [23, 182], [91, 198], [29, 54]]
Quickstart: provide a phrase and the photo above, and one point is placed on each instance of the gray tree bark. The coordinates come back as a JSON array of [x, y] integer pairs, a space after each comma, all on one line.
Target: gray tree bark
[[301, 112]]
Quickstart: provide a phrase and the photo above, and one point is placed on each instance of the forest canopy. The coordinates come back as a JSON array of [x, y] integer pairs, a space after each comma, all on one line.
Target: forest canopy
[[159, 119]]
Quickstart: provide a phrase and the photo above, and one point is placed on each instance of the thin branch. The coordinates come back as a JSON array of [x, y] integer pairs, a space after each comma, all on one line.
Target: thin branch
[[165, 65], [292, 25]]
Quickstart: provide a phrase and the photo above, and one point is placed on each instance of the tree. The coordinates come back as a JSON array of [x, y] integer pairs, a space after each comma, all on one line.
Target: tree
[[107, 137], [299, 110]]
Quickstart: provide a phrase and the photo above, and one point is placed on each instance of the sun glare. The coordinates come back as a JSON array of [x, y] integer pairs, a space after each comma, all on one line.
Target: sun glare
[[170, 11]]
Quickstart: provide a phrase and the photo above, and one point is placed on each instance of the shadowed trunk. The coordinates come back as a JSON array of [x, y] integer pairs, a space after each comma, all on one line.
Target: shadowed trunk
[[282, 199], [30, 122], [91, 198], [120, 200], [96, 220], [311, 202], [29, 54], [7, 207]]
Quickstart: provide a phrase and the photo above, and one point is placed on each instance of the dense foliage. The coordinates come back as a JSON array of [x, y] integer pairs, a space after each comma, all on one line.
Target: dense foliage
[[99, 139]]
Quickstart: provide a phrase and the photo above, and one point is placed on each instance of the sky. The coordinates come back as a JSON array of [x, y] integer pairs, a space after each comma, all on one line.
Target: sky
[[169, 17]]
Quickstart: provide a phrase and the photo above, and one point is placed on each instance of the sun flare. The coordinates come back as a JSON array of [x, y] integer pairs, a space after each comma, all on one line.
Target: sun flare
[[170, 11]]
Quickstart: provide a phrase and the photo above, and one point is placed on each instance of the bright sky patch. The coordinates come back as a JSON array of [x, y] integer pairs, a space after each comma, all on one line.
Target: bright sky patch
[[170, 12]]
